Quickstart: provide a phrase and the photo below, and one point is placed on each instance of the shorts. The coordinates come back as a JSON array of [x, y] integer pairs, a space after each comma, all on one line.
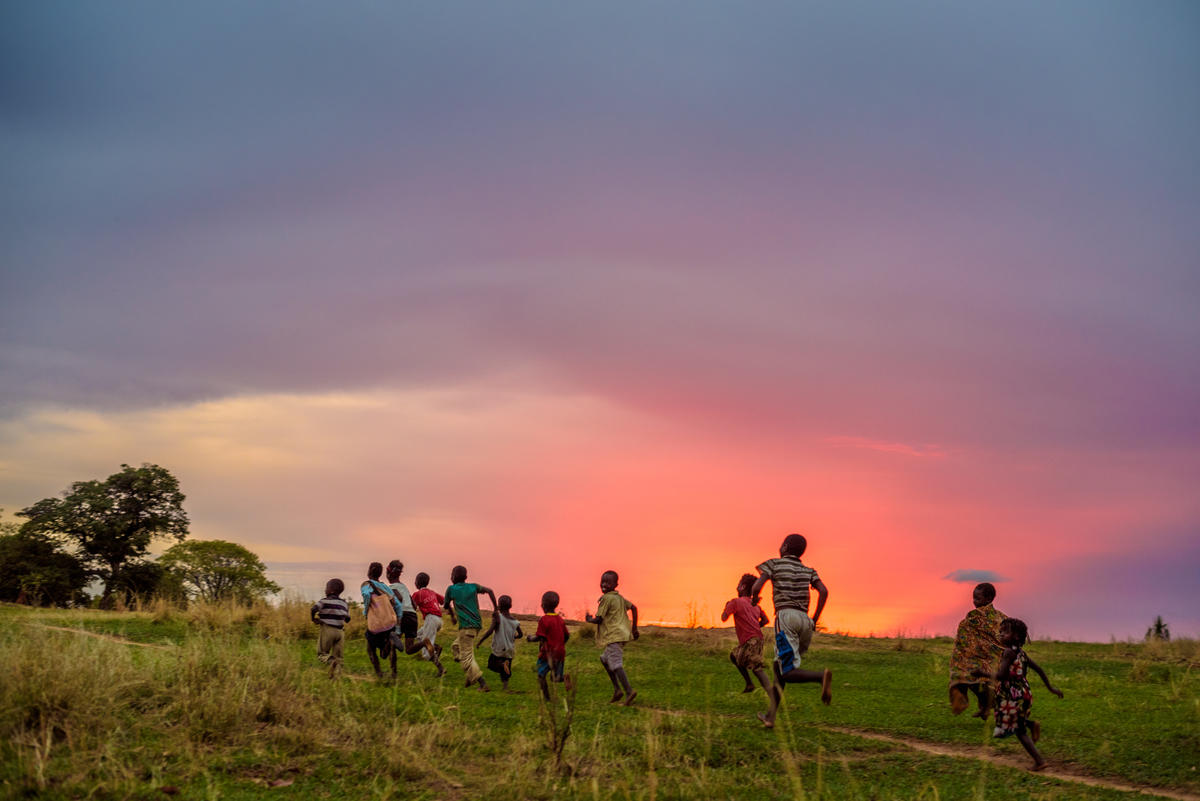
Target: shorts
[[613, 656], [429, 631], [329, 645], [543, 667], [793, 635], [380, 641], [408, 624], [500, 664], [748, 655]]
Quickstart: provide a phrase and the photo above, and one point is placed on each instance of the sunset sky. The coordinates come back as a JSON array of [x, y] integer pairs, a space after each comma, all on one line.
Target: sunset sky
[[550, 288]]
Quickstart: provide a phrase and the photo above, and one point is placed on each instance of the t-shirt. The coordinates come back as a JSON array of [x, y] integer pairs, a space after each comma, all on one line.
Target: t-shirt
[[554, 630], [504, 638], [332, 612], [428, 602], [401, 591], [748, 619], [465, 597], [790, 579], [614, 622]]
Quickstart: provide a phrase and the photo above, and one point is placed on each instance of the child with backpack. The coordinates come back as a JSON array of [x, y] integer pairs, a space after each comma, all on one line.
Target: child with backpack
[[382, 609]]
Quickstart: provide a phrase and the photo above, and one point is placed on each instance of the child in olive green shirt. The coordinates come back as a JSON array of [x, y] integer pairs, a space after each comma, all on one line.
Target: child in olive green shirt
[[613, 630]]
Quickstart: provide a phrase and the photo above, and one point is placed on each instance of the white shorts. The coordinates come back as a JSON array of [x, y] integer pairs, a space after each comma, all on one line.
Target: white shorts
[[429, 631], [796, 629]]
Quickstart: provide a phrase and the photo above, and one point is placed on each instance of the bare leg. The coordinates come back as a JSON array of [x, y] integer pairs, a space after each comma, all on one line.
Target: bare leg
[[374, 657], [618, 694], [1031, 749], [745, 674], [630, 693], [545, 687]]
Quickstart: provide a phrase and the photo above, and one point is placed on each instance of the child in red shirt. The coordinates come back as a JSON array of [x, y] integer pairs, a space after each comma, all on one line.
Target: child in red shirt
[[748, 620], [553, 635]]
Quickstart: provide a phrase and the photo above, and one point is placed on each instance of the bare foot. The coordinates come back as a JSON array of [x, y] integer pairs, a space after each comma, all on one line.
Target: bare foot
[[981, 714], [441, 670], [827, 687], [483, 688], [629, 699], [617, 696], [749, 688], [1037, 766], [766, 721]]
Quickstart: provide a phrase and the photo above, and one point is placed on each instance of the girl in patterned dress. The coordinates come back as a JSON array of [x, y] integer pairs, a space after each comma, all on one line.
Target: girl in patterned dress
[[1013, 698]]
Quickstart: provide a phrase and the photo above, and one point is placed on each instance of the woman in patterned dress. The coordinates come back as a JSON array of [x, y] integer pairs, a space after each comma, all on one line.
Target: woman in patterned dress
[[1013, 698], [977, 649]]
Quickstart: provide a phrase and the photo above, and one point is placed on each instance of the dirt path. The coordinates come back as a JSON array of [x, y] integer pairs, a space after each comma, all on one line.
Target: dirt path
[[1059, 772], [108, 637]]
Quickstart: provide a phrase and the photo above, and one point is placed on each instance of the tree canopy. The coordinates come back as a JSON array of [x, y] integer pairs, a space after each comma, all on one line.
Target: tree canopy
[[113, 521], [216, 570], [35, 570]]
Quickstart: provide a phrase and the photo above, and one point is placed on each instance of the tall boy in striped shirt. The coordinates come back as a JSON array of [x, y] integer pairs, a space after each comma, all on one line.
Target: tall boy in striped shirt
[[790, 581]]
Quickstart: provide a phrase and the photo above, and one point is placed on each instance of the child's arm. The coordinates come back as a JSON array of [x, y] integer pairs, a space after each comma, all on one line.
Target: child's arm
[[480, 590], [822, 597], [449, 607], [590, 618], [1006, 660], [534, 638], [313, 613], [1037, 669], [633, 611], [488, 633], [367, 592], [759, 583], [518, 634], [762, 617]]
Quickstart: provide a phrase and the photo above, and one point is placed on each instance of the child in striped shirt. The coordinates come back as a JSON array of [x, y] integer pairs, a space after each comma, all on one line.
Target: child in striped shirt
[[790, 581], [331, 613]]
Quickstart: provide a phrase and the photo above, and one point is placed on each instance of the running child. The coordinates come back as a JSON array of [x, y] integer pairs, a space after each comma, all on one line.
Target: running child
[[748, 620], [613, 630], [382, 609], [407, 627], [553, 635], [1013, 698], [977, 649], [507, 631], [429, 604], [462, 604], [331, 613], [790, 580]]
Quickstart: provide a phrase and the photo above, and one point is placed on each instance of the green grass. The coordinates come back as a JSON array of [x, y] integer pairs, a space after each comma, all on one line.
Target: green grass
[[232, 701]]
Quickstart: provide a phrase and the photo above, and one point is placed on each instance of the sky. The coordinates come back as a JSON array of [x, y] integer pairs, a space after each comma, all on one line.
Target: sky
[[549, 289]]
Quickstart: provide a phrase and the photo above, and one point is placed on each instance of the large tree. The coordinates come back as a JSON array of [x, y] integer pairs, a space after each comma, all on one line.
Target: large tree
[[216, 570], [113, 521]]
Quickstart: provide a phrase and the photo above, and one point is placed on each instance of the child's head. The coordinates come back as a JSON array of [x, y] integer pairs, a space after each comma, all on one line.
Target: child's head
[[745, 584], [334, 586], [549, 601], [395, 568], [793, 545], [1013, 632], [608, 580], [504, 603], [422, 580], [458, 574], [983, 594], [374, 570]]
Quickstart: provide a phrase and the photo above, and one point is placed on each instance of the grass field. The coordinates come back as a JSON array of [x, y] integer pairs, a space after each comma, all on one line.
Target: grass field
[[226, 703]]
